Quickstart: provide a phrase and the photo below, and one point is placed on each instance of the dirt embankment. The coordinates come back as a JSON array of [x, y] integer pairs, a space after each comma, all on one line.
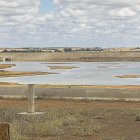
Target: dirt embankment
[[74, 56]]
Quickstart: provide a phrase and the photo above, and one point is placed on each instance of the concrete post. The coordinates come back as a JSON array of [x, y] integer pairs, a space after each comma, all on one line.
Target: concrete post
[[31, 98], [3, 59], [11, 57]]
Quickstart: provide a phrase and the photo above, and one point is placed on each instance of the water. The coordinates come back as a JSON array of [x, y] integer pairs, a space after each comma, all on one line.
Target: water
[[87, 73]]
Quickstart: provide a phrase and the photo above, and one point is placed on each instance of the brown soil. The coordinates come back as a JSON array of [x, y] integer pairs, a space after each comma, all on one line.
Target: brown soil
[[129, 76], [61, 67], [4, 73], [115, 120], [3, 66]]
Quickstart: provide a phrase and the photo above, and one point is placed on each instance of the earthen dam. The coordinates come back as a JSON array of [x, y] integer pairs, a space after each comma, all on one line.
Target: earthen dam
[[73, 56]]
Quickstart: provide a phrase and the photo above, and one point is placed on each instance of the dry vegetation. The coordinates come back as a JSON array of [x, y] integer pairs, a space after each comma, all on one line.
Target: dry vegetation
[[123, 49], [4, 66], [4, 73], [56, 63], [129, 76], [72, 120], [101, 66], [61, 67], [90, 86], [71, 86], [112, 66]]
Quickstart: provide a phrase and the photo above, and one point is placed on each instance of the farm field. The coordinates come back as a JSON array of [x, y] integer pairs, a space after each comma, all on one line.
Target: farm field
[[73, 120]]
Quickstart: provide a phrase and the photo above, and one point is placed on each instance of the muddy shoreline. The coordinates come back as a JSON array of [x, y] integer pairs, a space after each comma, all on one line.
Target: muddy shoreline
[[4, 73]]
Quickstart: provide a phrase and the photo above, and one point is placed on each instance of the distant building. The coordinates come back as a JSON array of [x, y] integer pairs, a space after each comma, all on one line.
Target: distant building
[[35, 49]]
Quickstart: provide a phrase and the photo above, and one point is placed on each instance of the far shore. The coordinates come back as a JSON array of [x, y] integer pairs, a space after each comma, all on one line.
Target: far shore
[[82, 56]]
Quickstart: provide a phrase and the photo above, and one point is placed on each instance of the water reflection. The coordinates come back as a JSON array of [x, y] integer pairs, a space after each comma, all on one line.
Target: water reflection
[[87, 73]]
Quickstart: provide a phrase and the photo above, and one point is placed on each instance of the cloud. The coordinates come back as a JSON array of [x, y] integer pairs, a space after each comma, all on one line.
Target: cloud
[[114, 3], [71, 12], [73, 23], [18, 3], [125, 12]]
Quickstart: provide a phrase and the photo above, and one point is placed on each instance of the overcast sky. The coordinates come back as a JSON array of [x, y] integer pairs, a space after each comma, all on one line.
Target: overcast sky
[[69, 23]]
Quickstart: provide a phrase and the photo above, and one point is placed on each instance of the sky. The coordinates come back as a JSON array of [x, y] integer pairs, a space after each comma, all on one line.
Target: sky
[[70, 23]]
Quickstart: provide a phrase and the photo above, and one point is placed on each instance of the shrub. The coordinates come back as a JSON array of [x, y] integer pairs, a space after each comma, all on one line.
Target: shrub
[[138, 117]]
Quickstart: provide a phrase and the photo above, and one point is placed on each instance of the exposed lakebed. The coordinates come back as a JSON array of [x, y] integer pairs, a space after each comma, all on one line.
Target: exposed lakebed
[[76, 73]]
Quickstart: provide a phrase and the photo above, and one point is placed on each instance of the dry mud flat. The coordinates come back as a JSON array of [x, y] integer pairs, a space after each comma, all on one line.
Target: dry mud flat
[[72, 120]]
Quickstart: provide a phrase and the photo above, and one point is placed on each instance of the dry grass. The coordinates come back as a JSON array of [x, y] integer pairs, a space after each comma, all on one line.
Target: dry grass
[[11, 84], [56, 63], [4, 73], [129, 76], [71, 86], [114, 66], [72, 120], [61, 67], [3, 66], [101, 66], [89, 86]]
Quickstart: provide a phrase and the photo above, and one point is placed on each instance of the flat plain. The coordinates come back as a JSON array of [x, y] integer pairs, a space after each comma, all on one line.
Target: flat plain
[[73, 120]]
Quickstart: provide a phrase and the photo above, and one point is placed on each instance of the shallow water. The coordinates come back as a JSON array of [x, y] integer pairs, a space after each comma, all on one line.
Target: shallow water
[[87, 73]]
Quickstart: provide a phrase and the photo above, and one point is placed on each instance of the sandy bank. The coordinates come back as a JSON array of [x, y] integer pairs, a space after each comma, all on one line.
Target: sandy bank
[[129, 76], [4, 73], [56, 63], [101, 66], [113, 66], [61, 67], [4, 66]]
